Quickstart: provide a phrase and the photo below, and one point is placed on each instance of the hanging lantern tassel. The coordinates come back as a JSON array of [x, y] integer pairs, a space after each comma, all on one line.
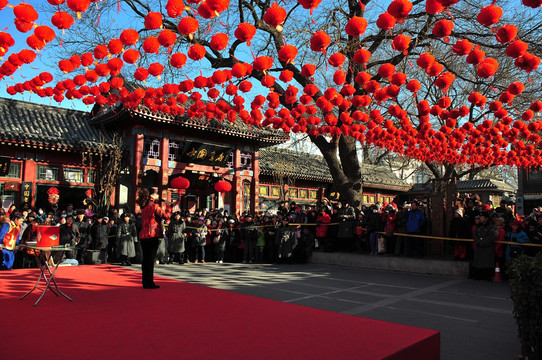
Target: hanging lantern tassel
[[223, 186]]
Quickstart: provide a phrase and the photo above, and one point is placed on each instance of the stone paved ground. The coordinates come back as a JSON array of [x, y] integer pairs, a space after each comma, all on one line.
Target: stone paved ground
[[475, 318]]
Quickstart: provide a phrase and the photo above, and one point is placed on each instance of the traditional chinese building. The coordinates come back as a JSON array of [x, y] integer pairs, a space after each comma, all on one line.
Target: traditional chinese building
[[47, 147], [162, 146], [529, 190], [305, 179], [44, 147]]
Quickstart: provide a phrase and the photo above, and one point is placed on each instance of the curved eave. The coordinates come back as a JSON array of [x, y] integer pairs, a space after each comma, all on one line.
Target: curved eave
[[169, 119], [299, 176], [46, 146], [386, 186]]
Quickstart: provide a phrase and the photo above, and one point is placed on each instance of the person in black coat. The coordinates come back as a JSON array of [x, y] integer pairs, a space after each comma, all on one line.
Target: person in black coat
[[99, 231], [81, 227], [459, 229], [374, 226], [249, 235]]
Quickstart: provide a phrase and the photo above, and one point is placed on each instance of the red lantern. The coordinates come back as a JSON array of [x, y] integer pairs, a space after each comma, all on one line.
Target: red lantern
[[425, 60], [180, 183], [53, 195], [489, 15], [386, 70], [532, 3], [516, 88], [219, 41], [356, 26], [156, 69], [62, 20], [320, 41], [178, 60], [129, 37], [462, 47], [400, 9], [309, 4], [218, 6], [516, 49], [245, 32], [100, 52], [443, 28], [336, 60], [78, 6], [506, 33], [401, 43], [153, 20], [196, 52], [487, 68], [263, 63], [151, 45], [188, 26], [44, 33], [287, 53], [386, 21], [130, 56], [25, 13], [115, 65], [275, 16], [174, 8]]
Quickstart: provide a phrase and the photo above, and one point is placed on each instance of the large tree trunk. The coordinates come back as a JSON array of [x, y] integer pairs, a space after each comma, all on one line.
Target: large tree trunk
[[342, 160]]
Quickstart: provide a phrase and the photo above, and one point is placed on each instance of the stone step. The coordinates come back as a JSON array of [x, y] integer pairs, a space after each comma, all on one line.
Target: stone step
[[432, 266]]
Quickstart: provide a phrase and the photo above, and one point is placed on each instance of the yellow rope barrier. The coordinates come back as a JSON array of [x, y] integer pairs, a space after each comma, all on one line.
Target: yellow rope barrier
[[397, 234]]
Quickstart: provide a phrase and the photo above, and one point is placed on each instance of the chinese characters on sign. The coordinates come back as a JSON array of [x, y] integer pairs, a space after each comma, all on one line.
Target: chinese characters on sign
[[26, 192], [197, 153]]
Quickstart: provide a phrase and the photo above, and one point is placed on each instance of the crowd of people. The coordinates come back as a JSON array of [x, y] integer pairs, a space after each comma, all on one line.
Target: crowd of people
[[287, 234]]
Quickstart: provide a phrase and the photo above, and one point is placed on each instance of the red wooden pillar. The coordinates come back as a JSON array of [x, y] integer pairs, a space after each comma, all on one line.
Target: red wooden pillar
[[30, 170], [137, 167], [164, 158], [237, 188], [255, 186]]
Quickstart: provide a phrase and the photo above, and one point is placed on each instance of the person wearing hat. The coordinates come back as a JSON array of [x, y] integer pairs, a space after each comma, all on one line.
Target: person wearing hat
[[459, 229], [152, 214], [249, 236], [516, 235], [415, 223], [10, 233], [285, 238], [126, 239], [483, 261], [199, 240], [176, 238], [81, 228], [506, 213], [345, 235], [99, 232]]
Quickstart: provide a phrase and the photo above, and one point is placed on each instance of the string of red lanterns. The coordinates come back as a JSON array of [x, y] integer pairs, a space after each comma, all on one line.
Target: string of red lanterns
[[501, 139]]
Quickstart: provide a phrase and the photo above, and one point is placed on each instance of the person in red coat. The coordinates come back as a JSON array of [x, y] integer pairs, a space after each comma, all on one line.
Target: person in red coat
[[152, 215], [321, 228]]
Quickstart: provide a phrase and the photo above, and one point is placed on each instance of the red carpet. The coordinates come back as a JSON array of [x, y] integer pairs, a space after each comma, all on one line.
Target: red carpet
[[112, 317]]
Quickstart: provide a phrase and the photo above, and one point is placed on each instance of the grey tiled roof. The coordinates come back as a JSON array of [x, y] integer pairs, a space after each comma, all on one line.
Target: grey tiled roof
[[237, 129], [469, 186], [40, 125], [313, 167]]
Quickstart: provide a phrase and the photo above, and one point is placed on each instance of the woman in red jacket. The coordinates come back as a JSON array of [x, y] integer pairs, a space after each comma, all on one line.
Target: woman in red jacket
[[321, 228], [151, 231]]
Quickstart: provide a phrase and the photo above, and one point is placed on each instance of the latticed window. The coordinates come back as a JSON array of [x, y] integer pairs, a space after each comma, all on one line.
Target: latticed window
[[74, 175], [152, 148], [14, 170], [246, 160], [173, 151], [49, 173]]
